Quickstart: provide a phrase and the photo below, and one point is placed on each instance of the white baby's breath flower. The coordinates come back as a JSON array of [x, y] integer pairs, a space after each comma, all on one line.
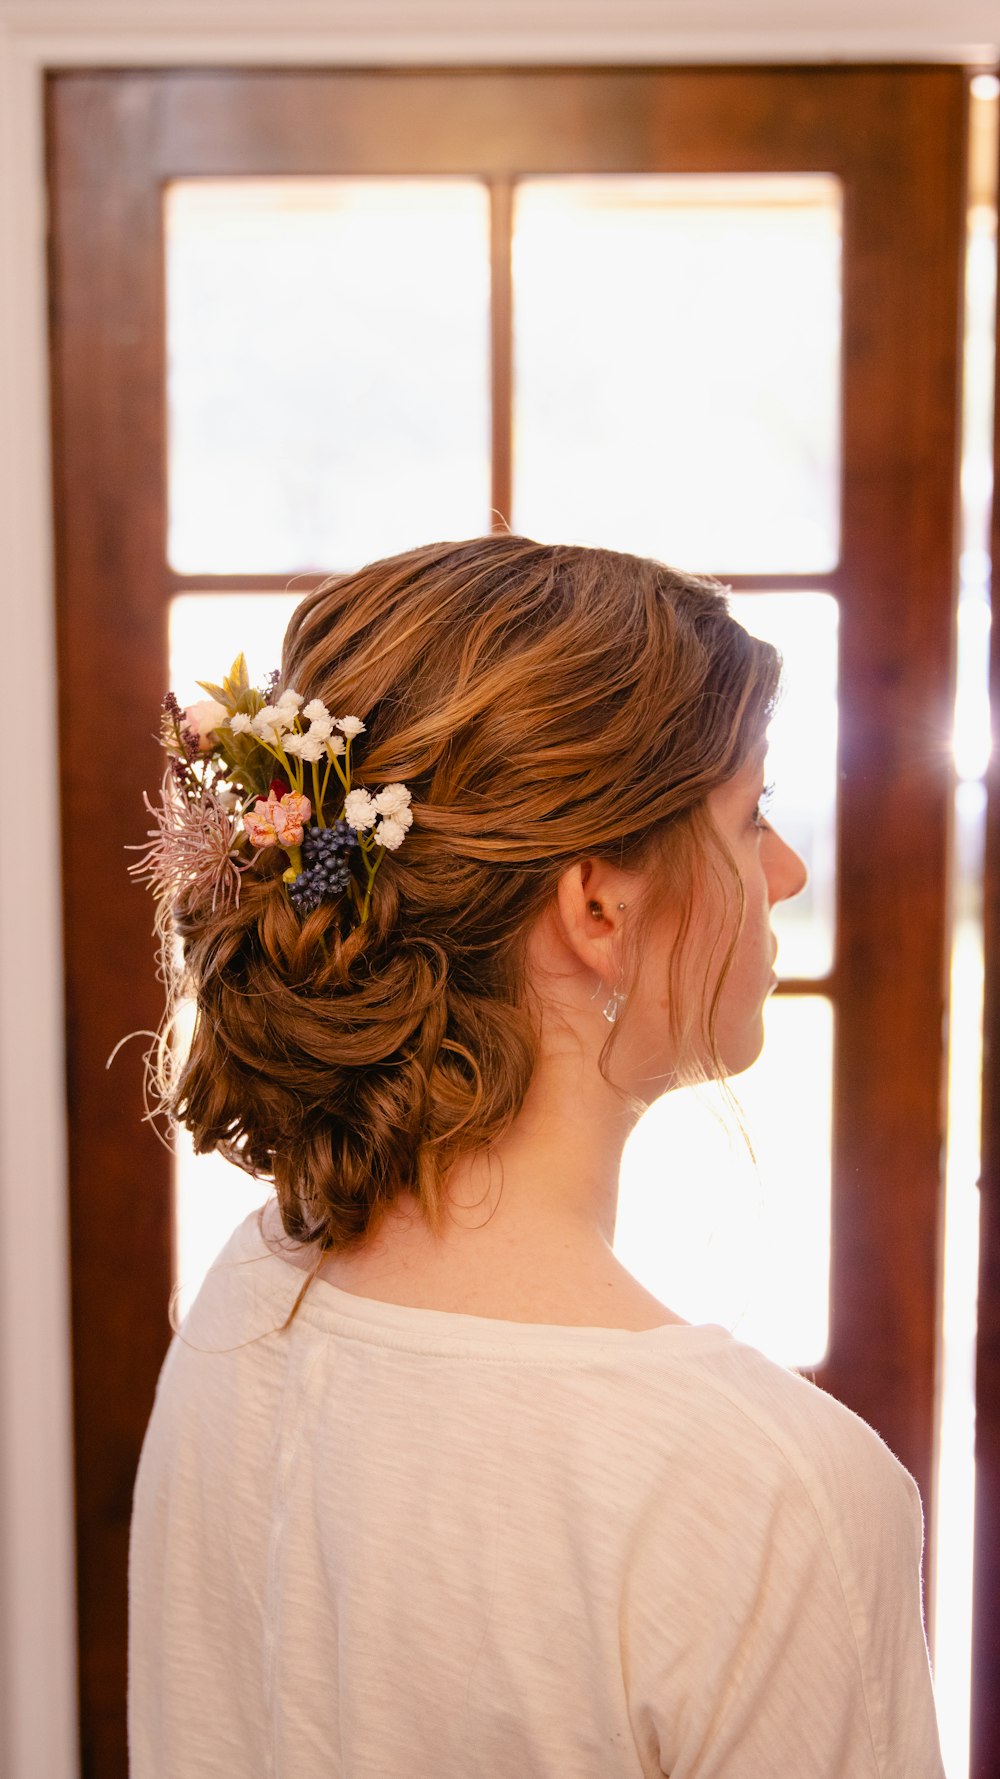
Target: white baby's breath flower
[[359, 810], [321, 726], [393, 798], [311, 747], [289, 699], [293, 743], [336, 744], [390, 833], [271, 722], [240, 724], [316, 710], [350, 726]]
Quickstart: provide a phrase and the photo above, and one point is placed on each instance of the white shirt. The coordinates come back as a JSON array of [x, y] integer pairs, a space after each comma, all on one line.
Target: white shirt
[[396, 1543]]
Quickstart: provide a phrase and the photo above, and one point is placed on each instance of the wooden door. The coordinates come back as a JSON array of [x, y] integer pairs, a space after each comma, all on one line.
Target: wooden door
[[895, 138]]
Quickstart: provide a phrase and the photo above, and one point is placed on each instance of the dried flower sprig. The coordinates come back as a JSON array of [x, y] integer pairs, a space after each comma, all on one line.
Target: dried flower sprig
[[192, 839], [253, 768]]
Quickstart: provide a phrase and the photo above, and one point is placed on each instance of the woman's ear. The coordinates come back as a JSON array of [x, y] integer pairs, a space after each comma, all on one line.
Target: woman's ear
[[592, 900]]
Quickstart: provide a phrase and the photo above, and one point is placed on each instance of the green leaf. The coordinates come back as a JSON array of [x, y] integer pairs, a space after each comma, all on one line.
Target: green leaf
[[239, 678], [234, 688], [216, 692]]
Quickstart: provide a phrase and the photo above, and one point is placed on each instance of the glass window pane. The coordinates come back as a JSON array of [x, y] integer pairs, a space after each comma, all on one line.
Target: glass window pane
[[211, 1197], [677, 367], [208, 630], [328, 370], [802, 764], [719, 1240]]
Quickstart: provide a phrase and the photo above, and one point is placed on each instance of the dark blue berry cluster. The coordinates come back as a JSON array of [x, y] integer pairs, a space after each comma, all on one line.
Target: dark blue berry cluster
[[325, 854]]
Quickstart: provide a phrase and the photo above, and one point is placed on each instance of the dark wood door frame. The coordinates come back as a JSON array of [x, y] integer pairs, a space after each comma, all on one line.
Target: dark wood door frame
[[896, 137], [984, 1760]]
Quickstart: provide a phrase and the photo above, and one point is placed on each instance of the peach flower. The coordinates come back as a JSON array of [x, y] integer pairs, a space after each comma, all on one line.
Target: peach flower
[[290, 816], [279, 821]]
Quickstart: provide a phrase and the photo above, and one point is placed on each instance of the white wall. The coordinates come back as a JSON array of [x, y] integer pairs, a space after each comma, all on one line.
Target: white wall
[[37, 1648]]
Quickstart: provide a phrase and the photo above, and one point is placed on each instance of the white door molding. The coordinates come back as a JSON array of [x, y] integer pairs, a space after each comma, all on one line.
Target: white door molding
[[38, 1711], [137, 32]]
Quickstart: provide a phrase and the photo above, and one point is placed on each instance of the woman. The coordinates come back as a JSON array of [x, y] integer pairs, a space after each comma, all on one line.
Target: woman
[[466, 1498]]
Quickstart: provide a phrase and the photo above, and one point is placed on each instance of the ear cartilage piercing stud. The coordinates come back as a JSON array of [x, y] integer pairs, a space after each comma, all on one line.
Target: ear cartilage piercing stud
[[597, 911]]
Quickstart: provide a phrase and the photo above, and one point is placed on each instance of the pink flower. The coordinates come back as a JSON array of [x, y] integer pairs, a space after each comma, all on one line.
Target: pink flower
[[202, 718], [279, 821], [290, 817], [258, 824]]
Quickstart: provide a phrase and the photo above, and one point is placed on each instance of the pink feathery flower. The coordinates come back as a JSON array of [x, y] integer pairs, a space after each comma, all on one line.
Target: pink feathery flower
[[193, 838]]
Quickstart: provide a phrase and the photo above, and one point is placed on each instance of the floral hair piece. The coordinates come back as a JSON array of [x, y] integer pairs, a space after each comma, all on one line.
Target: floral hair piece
[[249, 769]]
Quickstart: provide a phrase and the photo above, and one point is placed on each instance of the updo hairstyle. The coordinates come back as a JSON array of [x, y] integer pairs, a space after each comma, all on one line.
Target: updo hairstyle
[[544, 703]]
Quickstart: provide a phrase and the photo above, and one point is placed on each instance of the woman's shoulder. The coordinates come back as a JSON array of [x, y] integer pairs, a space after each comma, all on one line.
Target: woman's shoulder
[[805, 1533], [791, 1430]]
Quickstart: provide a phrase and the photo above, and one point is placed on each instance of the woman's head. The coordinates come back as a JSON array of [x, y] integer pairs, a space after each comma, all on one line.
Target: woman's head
[[567, 719]]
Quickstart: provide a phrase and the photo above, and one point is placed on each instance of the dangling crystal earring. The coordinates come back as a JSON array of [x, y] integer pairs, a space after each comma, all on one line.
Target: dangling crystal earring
[[614, 1005]]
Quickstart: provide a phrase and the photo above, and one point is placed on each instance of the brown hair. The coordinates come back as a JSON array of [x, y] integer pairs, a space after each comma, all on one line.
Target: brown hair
[[544, 703]]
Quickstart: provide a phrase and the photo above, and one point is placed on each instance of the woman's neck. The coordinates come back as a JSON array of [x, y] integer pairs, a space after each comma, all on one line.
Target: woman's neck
[[527, 1231]]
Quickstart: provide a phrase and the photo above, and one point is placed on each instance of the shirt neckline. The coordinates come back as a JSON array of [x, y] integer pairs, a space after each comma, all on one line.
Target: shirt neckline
[[329, 1305]]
